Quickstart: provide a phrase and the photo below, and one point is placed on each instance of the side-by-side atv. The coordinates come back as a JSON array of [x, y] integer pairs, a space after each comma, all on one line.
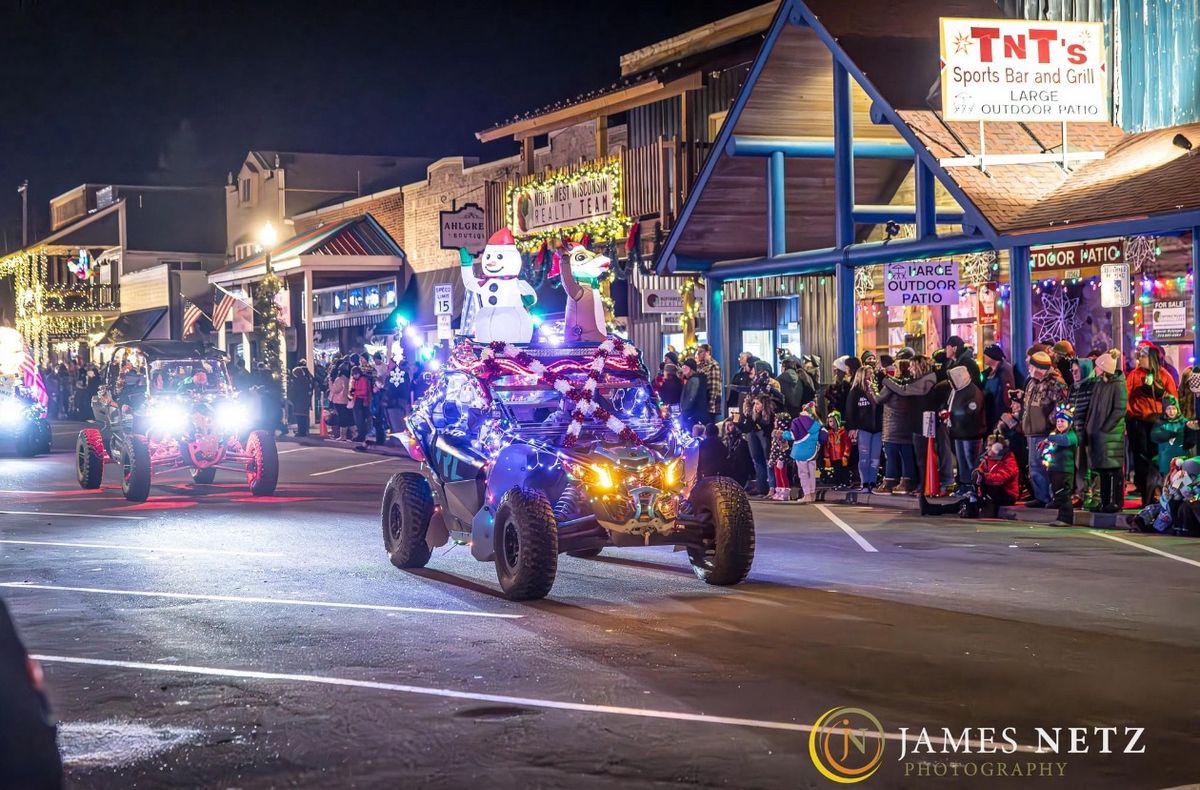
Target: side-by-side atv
[[513, 467], [166, 405], [24, 426]]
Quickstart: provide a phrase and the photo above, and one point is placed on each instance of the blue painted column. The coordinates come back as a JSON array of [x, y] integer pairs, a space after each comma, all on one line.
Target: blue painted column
[[776, 205], [926, 201], [843, 174], [1020, 294], [1195, 295], [715, 326]]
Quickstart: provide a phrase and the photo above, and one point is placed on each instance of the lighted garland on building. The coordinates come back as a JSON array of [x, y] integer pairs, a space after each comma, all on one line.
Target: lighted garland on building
[[271, 329], [691, 311], [602, 229]]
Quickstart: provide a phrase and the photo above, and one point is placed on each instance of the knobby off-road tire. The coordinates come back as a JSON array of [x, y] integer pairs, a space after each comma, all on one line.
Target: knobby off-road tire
[[204, 477], [135, 470], [724, 503], [406, 511], [526, 536], [89, 459], [262, 471]]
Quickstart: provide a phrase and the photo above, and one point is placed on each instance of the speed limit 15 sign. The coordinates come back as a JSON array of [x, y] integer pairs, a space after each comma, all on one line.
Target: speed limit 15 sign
[[443, 299]]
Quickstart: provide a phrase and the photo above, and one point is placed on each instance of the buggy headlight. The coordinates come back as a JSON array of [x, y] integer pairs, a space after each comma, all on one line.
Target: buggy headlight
[[12, 411], [232, 416], [168, 418], [672, 473]]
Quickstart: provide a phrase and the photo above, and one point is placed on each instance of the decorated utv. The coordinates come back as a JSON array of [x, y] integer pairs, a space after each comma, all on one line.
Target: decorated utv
[[166, 405], [24, 426], [530, 451]]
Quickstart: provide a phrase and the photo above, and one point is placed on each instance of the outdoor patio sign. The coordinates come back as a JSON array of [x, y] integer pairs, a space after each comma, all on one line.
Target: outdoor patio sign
[[1073, 256], [921, 283], [1020, 70]]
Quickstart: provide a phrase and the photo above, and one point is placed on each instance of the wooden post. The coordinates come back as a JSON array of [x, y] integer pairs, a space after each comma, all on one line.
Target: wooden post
[[527, 156], [601, 136]]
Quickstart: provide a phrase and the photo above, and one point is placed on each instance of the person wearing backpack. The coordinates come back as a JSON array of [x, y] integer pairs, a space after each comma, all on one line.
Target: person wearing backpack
[[967, 423]]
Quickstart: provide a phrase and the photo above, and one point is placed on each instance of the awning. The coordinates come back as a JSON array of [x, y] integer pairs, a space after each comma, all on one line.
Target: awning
[[133, 326], [366, 318]]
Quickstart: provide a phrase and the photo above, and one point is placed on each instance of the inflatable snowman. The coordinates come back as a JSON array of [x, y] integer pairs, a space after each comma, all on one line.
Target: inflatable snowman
[[499, 307]]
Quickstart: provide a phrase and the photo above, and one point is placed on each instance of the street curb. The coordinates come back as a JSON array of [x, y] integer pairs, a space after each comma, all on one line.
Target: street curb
[[316, 441], [1027, 515]]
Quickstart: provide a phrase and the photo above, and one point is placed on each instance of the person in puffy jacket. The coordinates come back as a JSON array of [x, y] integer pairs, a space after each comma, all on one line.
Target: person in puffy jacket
[[996, 475], [916, 394], [339, 399], [1081, 401], [1105, 432], [967, 425], [1168, 434], [1044, 393], [998, 381], [360, 405], [805, 436], [1058, 457], [1189, 389], [901, 419], [1145, 387], [864, 420]]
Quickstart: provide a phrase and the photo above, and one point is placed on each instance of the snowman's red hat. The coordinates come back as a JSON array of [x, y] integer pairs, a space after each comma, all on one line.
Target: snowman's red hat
[[502, 238]]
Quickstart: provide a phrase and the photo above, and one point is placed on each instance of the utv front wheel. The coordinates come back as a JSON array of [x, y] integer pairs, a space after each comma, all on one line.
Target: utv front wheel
[[730, 548], [89, 459], [135, 468], [407, 509], [526, 536], [262, 470]]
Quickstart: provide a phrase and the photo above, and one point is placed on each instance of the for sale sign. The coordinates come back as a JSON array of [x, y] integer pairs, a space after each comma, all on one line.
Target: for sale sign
[[921, 283], [1020, 70]]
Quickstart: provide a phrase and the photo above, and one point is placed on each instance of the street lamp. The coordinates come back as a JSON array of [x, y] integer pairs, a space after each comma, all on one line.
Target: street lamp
[[266, 239]]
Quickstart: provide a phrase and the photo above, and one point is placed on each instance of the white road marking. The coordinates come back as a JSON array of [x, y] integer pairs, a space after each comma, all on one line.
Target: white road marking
[[69, 515], [294, 450], [250, 599], [473, 696], [849, 530], [352, 466], [128, 547], [1150, 549]]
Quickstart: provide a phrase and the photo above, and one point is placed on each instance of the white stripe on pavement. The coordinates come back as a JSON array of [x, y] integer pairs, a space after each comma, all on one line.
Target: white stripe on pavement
[[293, 450], [353, 466], [249, 599], [501, 699], [70, 515], [849, 530], [1150, 549], [128, 547]]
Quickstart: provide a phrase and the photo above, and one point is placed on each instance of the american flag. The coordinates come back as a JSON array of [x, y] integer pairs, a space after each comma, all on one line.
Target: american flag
[[191, 314], [32, 378], [223, 309]]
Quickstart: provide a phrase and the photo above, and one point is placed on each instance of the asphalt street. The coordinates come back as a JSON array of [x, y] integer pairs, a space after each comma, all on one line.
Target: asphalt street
[[206, 638]]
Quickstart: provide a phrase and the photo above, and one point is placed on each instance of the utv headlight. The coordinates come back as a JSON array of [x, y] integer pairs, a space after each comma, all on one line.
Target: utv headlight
[[232, 416], [170, 419], [12, 411], [672, 473]]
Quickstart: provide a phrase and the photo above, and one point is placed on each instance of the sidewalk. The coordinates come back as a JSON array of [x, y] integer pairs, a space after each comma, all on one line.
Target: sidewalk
[[1031, 515]]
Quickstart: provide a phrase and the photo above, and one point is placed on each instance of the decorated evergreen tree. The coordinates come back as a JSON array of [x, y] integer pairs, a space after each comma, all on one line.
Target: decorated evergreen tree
[[271, 330]]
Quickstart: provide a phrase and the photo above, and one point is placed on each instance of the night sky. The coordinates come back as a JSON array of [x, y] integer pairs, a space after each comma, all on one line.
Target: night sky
[[109, 91]]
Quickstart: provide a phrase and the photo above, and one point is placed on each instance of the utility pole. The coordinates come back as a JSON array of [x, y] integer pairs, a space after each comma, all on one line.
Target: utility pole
[[23, 190]]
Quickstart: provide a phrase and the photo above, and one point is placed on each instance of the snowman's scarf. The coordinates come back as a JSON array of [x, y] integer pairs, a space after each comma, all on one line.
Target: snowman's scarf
[[583, 396]]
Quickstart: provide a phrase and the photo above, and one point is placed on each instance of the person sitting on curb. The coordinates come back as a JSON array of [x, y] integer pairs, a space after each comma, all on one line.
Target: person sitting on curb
[[997, 475], [1168, 434], [1058, 457]]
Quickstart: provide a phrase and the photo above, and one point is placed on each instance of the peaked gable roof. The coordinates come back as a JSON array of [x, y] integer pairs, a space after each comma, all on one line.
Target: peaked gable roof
[[361, 235]]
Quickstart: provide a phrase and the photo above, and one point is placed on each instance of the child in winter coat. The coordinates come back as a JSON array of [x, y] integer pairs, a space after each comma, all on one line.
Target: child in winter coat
[[996, 475], [1179, 487], [804, 433], [1058, 457], [777, 459], [835, 450], [1168, 434]]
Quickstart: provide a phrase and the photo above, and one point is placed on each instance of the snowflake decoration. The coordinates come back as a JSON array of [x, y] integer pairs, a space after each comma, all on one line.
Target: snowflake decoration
[[1058, 317], [962, 43], [397, 377], [977, 268], [1140, 252], [864, 281]]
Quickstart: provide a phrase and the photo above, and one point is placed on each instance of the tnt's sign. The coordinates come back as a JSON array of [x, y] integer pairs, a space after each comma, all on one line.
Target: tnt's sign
[[1020, 70], [921, 283]]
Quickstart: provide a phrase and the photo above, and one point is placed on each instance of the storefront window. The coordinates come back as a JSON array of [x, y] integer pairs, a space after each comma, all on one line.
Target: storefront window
[[389, 294], [371, 297], [340, 305], [356, 299]]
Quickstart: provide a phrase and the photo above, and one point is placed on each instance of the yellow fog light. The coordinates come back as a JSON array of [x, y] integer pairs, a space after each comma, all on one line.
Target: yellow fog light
[[604, 478], [672, 473]]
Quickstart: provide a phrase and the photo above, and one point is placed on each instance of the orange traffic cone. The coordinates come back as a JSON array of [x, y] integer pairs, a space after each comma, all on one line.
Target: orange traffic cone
[[932, 477]]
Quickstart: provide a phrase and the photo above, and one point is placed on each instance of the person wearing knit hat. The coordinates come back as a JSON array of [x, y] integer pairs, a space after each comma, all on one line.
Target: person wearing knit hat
[[1044, 391], [1147, 384], [868, 357], [995, 352], [1062, 354], [1036, 347], [905, 353], [840, 365], [1104, 430], [999, 379], [1058, 457], [1063, 349], [1168, 433]]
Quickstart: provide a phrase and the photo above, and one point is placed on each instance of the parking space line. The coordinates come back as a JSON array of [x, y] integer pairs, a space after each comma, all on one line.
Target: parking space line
[[255, 599], [68, 515], [352, 466], [849, 530], [499, 699], [1150, 549], [128, 547]]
